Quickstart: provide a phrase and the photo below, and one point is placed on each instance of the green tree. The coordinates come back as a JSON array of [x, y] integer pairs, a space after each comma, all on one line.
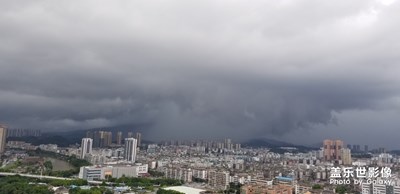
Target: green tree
[[48, 165], [20, 185], [316, 186], [93, 190], [341, 189], [163, 191]]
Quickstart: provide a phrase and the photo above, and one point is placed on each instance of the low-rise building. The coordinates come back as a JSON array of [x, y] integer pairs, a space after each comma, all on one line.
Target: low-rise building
[[184, 174], [116, 171], [271, 189]]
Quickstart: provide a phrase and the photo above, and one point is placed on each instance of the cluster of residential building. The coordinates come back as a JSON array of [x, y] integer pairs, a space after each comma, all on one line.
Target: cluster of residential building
[[261, 170], [217, 164], [104, 139], [24, 132]]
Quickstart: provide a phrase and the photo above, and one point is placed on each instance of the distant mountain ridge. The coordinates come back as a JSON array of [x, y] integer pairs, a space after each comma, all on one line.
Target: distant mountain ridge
[[263, 142], [275, 145]]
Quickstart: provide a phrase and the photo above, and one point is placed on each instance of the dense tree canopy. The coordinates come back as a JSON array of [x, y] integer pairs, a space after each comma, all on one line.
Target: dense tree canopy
[[21, 185], [163, 191], [93, 190], [146, 182]]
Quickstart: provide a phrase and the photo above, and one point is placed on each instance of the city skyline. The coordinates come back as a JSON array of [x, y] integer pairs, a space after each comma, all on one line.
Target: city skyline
[[297, 71], [200, 97]]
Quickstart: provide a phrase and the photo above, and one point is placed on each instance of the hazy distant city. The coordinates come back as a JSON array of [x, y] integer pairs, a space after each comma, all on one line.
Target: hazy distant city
[[194, 97]]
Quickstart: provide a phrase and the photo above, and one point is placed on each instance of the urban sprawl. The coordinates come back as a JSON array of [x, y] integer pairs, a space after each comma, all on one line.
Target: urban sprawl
[[121, 162]]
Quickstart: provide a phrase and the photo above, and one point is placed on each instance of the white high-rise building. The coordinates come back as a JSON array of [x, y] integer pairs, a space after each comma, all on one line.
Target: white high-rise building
[[86, 147], [130, 149]]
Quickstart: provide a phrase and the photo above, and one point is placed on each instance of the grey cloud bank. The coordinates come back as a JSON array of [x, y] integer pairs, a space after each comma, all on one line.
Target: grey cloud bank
[[202, 68]]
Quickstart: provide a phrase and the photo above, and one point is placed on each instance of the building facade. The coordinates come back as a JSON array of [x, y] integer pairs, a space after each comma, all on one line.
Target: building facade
[[119, 138], [264, 189], [130, 135], [101, 139], [332, 149], [86, 147], [219, 179], [139, 139], [346, 156], [102, 172], [184, 174], [130, 150], [3, 136], [23, 132]]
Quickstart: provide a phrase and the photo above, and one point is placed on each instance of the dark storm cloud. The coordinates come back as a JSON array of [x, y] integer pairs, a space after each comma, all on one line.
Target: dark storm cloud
[[196, 68]]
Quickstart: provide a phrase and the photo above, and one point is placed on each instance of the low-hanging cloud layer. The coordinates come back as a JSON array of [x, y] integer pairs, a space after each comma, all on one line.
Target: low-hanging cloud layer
[[196, 68]]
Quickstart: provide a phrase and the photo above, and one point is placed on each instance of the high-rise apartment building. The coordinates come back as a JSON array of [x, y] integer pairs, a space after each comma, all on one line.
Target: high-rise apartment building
[[130, 134], [130, 150], [100, 138], [3, 135], [92, 135], [86, 147], [218, 179], [23, 132], [238, 146], [184, 174], [139, 139], [346, 156], [89, 134], [107, 139], [332, 149], [119, 138], [356, 147], [228, 144]]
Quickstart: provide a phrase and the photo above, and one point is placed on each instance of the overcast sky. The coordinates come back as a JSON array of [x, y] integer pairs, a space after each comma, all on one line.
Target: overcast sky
[[295, 70]]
